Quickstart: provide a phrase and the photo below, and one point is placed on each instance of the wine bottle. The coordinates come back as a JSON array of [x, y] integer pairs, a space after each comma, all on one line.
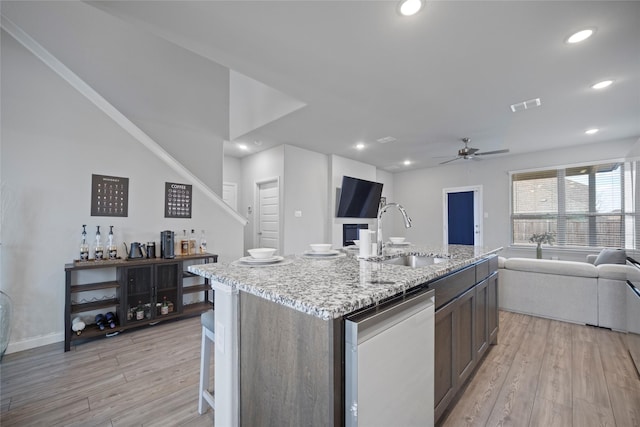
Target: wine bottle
[[111, 247], [84, 246], [101, 321], [110, 319], [203, 243], [140, 311], [98, 250], [192, 242], [184, 243]]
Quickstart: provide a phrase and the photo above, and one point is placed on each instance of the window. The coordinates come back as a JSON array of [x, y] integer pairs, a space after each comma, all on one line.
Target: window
[[583, 206]]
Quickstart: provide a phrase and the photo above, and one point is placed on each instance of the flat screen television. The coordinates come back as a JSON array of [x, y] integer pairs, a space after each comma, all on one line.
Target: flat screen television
[[359, 198]]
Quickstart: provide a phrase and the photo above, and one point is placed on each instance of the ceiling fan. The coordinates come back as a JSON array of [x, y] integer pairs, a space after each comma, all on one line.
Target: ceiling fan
[[470, 152]]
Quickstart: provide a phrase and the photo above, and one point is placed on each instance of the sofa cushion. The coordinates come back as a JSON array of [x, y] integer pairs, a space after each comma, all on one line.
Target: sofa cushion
[[563, 268], [611, 256]]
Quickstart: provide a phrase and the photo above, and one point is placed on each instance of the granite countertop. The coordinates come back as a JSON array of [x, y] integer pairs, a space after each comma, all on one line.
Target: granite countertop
[[332, 288]]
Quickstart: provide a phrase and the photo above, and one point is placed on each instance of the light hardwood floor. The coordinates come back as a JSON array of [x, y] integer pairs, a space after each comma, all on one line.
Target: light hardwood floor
[[144, 377], [549, 373], [541, 373]]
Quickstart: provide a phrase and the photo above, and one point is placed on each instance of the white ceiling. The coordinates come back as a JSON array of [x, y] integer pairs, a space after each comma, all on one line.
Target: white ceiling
[[363, 72]]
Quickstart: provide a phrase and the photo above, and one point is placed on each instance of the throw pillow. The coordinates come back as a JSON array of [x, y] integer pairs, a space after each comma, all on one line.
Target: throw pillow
[[611, 256]]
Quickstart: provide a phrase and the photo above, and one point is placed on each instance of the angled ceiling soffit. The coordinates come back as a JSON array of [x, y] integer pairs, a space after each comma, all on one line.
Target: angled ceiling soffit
[[253, 104]]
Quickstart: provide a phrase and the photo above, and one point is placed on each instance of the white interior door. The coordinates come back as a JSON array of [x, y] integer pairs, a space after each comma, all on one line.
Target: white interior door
[[230, 194], [268, 232]]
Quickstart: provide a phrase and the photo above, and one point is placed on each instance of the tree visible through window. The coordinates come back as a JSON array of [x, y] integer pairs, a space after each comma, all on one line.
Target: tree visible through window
[[584, 206]]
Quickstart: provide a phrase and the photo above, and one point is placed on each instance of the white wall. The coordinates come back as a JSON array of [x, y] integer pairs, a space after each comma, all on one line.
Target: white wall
[[306, 179], [421, 190], [258, 167], [53, 139]]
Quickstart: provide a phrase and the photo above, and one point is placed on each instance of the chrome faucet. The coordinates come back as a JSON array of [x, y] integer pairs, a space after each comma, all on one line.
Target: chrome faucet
[[407, 221]]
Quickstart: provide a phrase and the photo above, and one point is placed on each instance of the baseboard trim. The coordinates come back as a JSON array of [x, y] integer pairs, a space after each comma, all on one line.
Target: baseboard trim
[[30, 343]]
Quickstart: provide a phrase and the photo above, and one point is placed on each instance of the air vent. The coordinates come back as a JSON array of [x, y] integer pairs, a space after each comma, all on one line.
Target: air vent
[[386, 139], [526, 105]]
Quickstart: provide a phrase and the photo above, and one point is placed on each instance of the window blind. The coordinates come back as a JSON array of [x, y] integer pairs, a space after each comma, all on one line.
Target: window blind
[[585, 206]]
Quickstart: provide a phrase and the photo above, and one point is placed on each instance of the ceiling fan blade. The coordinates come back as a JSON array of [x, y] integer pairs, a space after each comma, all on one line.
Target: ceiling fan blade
[[471, 151], [484, 153], [448, 161]]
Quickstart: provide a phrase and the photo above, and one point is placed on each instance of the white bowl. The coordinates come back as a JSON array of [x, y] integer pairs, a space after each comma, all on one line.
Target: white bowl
[[356, 243], [320, 247], [262, 253], [397, 240]]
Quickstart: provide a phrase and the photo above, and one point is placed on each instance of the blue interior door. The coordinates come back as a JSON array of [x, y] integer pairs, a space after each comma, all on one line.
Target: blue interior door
[[460, 218]]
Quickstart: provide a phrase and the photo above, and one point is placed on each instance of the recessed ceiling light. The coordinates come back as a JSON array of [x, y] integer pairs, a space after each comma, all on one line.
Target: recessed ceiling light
[[360, 146], [409, 7], [602, 84], [406, 162], [580, 36], [243, 147], [591, 131]]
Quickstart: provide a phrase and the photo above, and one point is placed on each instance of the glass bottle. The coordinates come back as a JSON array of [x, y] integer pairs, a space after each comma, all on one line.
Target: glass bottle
[[98, 250], [184, 243], [192, 242], [111, 247], [84, 246], [203, 243], [140, 311], [165, 307]]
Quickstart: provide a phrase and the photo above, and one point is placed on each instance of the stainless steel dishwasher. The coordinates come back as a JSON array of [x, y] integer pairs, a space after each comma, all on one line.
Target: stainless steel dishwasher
[[389, 363]]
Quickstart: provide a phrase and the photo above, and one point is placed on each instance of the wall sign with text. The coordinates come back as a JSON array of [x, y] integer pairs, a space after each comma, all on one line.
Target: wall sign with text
[[177, 200], [109, 196]]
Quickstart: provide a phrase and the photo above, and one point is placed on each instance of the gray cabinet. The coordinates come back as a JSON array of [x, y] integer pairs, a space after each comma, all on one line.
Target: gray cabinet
[[445, 378], [466, 323], [465, 352], [481, 330], [492, 308]]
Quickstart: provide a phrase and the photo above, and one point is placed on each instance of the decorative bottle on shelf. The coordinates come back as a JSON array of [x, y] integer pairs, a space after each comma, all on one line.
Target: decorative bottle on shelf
[[184, 243], [192, 242], [111, 247], [203, 243], [98, 250], [140, 311], [165, 307], [84, 246]]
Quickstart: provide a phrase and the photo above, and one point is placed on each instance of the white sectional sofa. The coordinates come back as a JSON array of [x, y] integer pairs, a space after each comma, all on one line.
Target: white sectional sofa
[[577, 292]]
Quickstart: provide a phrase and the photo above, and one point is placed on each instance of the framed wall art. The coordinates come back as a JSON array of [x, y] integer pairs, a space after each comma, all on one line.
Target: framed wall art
[[109, 195], [178, 200]]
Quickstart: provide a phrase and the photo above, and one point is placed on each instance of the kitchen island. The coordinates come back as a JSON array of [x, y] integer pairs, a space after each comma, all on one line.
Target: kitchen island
[[280, 329]]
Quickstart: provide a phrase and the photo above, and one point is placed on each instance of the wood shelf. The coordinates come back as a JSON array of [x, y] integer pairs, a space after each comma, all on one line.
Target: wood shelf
[[196, 308], [196, 288], [94, 286], [94, 305], [93, 331]]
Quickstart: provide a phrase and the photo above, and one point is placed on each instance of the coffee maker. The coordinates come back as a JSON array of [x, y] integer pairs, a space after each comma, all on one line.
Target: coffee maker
[[167, 249]]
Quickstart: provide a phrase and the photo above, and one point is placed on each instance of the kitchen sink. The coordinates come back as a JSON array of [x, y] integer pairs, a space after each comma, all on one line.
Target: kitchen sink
[[414, 261]]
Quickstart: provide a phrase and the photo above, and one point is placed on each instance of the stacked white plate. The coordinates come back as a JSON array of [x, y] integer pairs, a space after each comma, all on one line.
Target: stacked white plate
[[249, 260], [322, 254]]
